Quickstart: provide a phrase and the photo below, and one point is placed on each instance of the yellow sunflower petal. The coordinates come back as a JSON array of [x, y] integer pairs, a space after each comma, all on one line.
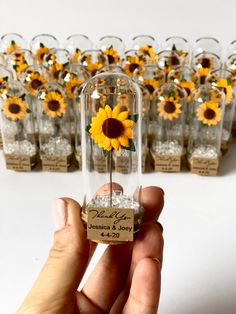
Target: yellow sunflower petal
[[129, 133], [128, 123], [123, 115], [124, 141], [100, 138], [108, 111], [102, 115], [115, 144], [116, 111]]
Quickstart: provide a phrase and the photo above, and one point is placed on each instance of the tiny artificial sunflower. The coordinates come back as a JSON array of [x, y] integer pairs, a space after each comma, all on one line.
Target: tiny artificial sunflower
[[55, 69], [112, 55], [227, 89], [13, 46], [54, 105], [94, 67], [169, 108], [76, 55], [34, 81], [151, 85], [149, 51], [189, 86], [209, 113], [132, 63], [41, 52], [71, 85], [20, 68], [206, 62], [202, 73], [112, 129], [15, 108]]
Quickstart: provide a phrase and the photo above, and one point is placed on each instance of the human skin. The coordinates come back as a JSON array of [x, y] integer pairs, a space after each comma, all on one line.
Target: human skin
[[127, 279]]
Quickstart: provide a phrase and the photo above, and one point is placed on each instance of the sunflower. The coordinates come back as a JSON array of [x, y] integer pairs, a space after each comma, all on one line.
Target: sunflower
[[76, 55], [54, 105], [151, 85], [71, 85], [149, 51], [13, 46], [15, 108], [56, 69], [112, 55], [188, 86], [111, 129], [20, 68], [40, 53], [94, 67], [169, 108], [173, 60], [34, 81], [18, 58], [227, 89], [206, 62], [209, 113], [132, 63], [203, 72], [3, 81]]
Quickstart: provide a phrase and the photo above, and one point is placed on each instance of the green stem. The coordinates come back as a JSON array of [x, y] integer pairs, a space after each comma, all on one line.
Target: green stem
[[110, 169]]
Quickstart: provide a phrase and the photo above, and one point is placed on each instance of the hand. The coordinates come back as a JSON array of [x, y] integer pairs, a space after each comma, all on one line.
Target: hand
[[127, 278]]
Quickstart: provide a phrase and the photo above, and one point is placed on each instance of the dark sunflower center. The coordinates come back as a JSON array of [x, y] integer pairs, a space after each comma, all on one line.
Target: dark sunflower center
[[133, 66], [187, 90], [112, 128], [14, 108], [174, 60], [206, 63], [53, 105], [111, 59], [150, 88], [169, 107], [36, 83], [202, 79], [209, 114]]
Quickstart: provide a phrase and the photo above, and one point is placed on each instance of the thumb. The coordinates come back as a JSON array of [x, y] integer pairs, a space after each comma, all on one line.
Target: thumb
[[67, 260]]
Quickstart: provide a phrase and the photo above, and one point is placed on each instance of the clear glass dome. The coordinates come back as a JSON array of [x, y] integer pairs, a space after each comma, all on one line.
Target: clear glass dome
[[111, 149]]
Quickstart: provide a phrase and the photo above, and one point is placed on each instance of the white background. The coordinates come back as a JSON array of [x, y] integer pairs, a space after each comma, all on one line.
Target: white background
[[199, 272]]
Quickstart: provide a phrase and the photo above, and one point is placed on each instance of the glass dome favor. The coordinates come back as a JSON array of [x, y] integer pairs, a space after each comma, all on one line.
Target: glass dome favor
[[111, 157]]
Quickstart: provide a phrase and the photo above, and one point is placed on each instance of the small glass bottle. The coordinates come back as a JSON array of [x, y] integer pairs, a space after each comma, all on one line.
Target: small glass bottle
[[207, 112], [230, 65], [113, 47], [72, 79], [19, 145], [223, 80], [180, 45], [184, 77], [76, 44], [207, 45], [41, 44], [168, 144], [111, 158], [93, 60], [147, 44], [54, 128], [33, 77], [10, 42], [151, 78]]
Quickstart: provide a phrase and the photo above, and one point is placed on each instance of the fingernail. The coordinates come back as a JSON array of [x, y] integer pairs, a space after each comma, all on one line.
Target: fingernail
[[59, 213]]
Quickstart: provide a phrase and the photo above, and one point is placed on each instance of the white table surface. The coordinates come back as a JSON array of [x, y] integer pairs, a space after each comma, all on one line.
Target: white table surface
[[199, 219]]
